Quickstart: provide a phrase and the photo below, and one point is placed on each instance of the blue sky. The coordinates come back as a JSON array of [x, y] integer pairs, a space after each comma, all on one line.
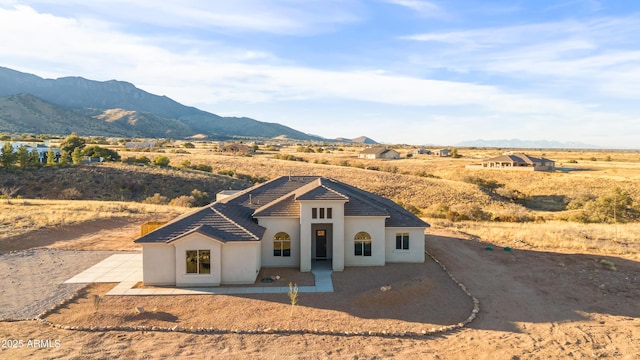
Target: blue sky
[[399, 71]]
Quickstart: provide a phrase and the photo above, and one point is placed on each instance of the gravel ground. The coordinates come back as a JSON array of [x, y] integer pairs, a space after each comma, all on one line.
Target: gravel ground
[[31, 281]]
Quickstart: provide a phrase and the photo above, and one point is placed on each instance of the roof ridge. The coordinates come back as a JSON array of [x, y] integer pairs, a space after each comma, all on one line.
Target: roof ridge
[[234, 223], [330, 189]]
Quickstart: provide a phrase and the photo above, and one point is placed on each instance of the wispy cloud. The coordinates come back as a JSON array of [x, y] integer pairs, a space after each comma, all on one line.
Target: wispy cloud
[[422, 7], [267, 16]]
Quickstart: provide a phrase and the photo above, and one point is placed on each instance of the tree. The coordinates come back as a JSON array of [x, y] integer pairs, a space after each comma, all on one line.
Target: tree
[[100, 152], [23, 156], [162, 161], [76, 156], [189, 145], [72, 142], [35, 158], [51, 157], [8, 157], [454, 153]]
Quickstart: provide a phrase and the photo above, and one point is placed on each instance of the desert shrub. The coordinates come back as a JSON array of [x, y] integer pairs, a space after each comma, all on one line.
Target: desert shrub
[[390, 169], [305, 149], [425, 174], [186, 164], [137, 160], [593, 158], [488, 185], [156, 199], [179, 151], [189, 145], [513, 213], [70, 194], [227, 172], [411, 208], [200, 198], [617, 207], [184, 201], [289, 157], [161, 161], [321, 161], [203, 167]]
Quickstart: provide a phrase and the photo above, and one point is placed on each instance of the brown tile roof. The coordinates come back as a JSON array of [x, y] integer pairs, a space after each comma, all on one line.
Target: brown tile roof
[[517, 158], [234, 218]]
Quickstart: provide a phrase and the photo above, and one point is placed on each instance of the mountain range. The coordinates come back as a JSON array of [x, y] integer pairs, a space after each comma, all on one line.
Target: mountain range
[[31, 104], [525, 144]]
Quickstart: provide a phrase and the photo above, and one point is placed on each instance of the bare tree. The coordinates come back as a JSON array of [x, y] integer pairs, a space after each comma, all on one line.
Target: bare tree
[[9, 192]]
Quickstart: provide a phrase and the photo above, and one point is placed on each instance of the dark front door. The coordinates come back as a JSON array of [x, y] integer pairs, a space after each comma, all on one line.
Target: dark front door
[[321, 243]]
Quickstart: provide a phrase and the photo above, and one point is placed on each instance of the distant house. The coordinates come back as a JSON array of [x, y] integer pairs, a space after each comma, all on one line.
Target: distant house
[[41, 149], [237, 149], [519, 161], [441, 152], [379, 153], [285, 222], [140, 145], [420, 151]]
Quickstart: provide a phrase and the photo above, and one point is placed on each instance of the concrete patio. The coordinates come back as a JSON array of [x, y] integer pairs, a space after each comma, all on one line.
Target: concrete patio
[[126, 269]]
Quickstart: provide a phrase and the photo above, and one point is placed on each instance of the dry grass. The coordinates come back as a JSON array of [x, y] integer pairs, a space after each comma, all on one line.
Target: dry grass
[[621, 239], [22, 216]]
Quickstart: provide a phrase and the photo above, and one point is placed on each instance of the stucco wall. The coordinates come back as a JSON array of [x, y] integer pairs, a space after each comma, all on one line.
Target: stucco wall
[[197, 241], [158, 264], [306, 233], [415, 253], [275, 225], [240, 262], [375, 227]]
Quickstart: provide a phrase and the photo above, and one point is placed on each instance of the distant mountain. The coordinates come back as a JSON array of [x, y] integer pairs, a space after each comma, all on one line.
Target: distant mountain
[[143, 113], [359, 140], [25, 113], [526, 144]]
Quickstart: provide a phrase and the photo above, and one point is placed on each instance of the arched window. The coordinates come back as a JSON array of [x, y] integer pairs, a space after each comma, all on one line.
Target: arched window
[[362, 244], [281, 244]]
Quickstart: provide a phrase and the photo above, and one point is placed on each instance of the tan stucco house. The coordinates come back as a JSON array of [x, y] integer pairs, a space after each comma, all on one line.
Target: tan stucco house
[[519, 161], [378, 153], [285, 222]]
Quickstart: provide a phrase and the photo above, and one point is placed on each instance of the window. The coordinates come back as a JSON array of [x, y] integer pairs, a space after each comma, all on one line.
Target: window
[[320, 213], [282, 244], [198, 261], [402, 241], [362, 243]]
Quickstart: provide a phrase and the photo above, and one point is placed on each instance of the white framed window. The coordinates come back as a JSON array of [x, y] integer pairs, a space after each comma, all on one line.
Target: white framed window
[[281, 244], [198, 261], [402, 241], [362, 244]]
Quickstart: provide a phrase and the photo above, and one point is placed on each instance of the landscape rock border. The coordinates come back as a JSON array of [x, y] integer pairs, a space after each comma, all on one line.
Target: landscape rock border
[[432, 331]]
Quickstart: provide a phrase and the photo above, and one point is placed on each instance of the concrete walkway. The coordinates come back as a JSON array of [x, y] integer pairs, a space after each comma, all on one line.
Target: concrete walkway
[[126, 269]]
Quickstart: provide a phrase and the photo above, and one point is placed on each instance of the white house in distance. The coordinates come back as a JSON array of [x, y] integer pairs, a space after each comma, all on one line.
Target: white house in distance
[[285, 222], [379, 153]]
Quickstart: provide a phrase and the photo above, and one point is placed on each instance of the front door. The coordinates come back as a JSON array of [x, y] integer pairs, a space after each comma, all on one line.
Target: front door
[[321, 243]]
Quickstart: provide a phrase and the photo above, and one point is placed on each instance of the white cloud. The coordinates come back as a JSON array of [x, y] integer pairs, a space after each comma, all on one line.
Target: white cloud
[[424, 8], [267, 16]]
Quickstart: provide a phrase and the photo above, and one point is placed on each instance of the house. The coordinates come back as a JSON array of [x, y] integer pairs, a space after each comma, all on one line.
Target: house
[[237, 149], [441, 152], [41, 149], [519, 161], [420, 151], [378, 153], [140, 145], [285, 222]]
